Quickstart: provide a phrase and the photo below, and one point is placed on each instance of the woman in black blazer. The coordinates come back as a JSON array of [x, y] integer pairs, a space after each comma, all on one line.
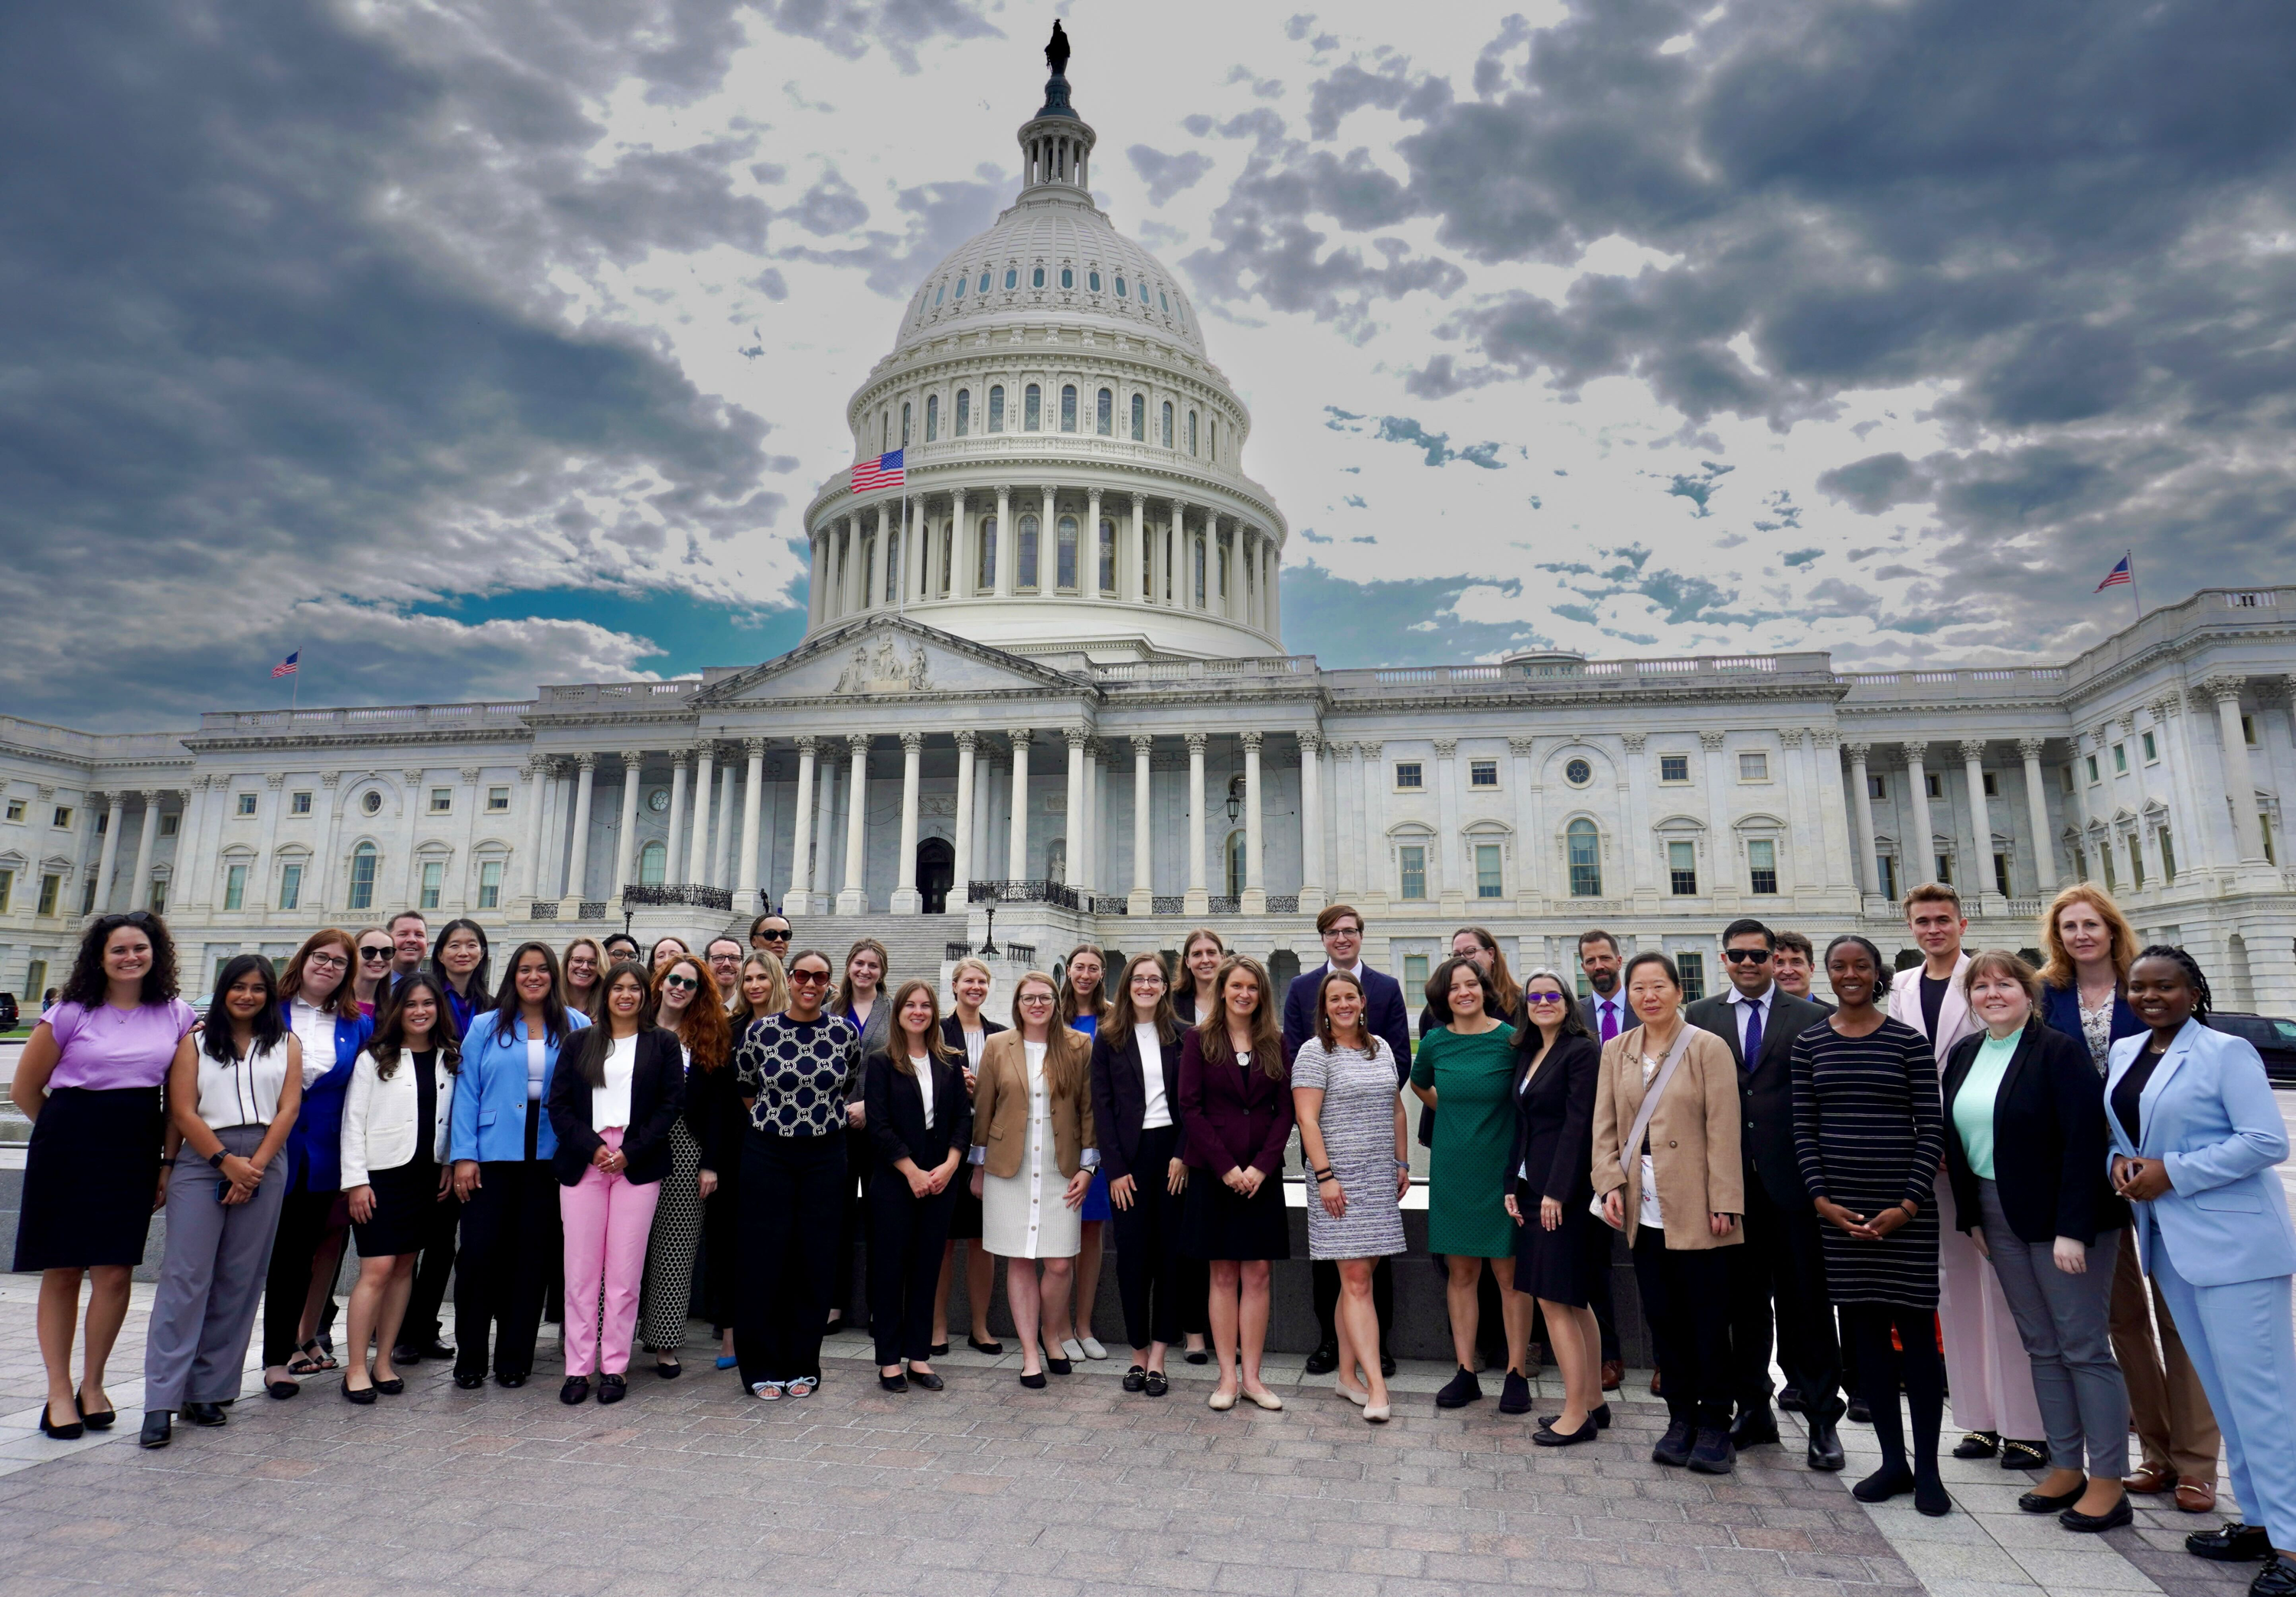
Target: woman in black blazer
[[966, 1030], [919, 1116], [2026, 1146], [1560, 1249], [1135, 1111], [618, 1090]]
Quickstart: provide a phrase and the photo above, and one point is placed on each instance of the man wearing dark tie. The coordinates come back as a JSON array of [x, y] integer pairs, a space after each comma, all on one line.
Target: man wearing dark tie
[[1781, 1262], [1605, 1012]]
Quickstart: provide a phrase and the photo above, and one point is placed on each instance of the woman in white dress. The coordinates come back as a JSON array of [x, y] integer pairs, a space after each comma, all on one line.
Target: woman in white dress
[[1034, 1160]]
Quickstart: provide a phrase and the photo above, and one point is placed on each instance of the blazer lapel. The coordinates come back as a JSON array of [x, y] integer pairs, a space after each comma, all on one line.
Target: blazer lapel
[[2028, 1048], [2149, 1100]]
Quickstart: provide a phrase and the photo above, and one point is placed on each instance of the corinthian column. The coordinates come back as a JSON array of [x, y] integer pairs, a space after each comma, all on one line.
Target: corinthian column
[[1199, 901], [799, 900], [1255, 884], [907, 899], [1143, 901], [853, 899]]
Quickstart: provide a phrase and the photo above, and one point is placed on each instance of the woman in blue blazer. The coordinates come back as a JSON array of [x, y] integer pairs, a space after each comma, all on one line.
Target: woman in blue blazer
[[502, 1143], [2195, 1137], [318, 1002]]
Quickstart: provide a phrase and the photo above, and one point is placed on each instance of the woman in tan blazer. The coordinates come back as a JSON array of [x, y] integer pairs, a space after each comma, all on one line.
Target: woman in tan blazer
[[1678, 1195], [1033, 1160]]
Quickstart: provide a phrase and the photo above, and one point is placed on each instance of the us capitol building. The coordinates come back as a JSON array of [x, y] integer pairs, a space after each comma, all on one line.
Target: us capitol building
[[1056, 688]]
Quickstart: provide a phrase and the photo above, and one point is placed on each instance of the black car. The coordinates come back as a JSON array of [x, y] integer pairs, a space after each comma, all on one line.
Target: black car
[[2275, 1040], [7, 1011]]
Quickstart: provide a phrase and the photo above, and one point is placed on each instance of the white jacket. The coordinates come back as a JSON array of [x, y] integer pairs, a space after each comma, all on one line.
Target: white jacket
[[379, 1128]]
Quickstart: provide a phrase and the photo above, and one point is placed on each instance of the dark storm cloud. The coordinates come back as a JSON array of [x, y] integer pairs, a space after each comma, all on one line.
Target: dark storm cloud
[[1168, 175], [937, 217]]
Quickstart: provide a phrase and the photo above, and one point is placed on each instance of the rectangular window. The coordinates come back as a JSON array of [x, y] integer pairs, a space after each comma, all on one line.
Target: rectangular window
[[1932, 784], [2081, 863], [1068, 407], [1408, 775], [245, 804], [2094, 778], [2137, 863], [1693, 967], [87, 895], [1762, 866], [103, 823], [1944, 870], [2247, 730], [1487, 883], [2151, 748], [2168, 859], [1674, 767], [2119, 758], [361, 891], [159, 903], [2105, 858], [997, 409], [50, 885], [1414, 870], [299, 804], [497, 801], [1415, 972], [1682, 868], [291, 887], [15, 809], [1753, 768], [2001, 875], [442, 799], [2064, 779], [36, 979], [2264, 823], [1992, 785], [7, 889], [1032, 409], [1887, 865], [1877, 787], [434, 878], [235, 887], [1483, 773], [490, 884]]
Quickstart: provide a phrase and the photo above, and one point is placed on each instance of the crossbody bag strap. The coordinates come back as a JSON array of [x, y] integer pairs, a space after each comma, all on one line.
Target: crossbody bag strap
[[1632, 1147]]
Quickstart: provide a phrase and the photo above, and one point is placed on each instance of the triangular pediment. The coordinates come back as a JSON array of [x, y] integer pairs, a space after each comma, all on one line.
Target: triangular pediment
[[884, 658]]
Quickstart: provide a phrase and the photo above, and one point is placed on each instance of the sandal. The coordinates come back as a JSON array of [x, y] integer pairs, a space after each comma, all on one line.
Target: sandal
[[311, 1359]]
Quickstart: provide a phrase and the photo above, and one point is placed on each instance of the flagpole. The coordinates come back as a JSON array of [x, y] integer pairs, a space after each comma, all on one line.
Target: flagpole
[[2132, 598], [295, 694]]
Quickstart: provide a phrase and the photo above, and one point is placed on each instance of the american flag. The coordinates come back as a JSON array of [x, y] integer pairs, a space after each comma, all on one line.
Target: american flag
[[2120, 576], [883, 472], [286, 667]]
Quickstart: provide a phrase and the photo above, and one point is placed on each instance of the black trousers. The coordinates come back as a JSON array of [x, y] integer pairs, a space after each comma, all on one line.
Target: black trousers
[[1163, 1290], [1323, 1279], [434, 1267], [853, 1273], [1880, 1367], [1686, 1304], [792, 1188], [294, 1251], [905, 1234], [721, 1249], [512, 1249], [1598, 1291], [1781, 1263]]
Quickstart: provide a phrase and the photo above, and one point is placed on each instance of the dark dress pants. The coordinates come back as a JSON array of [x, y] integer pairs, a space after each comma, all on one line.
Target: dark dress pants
[[851, 1284], [1781, 1263], [791, 1189], [512, 1249], [721, 1249], [434, 1268], [1163, 1290], [302, 1228], [1598, 1291], [1324, 1280], [906, 1234], [1686, 1304]]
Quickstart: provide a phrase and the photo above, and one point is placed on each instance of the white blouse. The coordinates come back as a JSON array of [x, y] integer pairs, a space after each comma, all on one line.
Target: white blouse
[[317, 1028], [923, 1068], [1150, 1049], [244, 1092], [610, 1105]]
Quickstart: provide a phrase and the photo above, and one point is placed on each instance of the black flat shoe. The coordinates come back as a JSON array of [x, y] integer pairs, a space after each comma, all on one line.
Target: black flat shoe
[[96, 1421], [2277, 1578], [158, 1428], [1514, 1395], [577, 1389], [1136, 1378], [2119, 1514], [1201, 1355], [892, 1383], [437, 1348], [393, 1387], [1884, 1484], [2024, 1456], [279, 1389], [362, 1395], [1386, 1363], [69, 1432], [469, 1383], [1976, 1444], [993, 1349], [1035, 1383], [2044, 1502], [1059, 1366], [669, 1372], [938, 1349], [1790, 1401], [1929, 1495], [205, 1413], [1546, 1436], [926, 1380], [1860, 1412], [1325, 1359], [1157, 1384], [1600, 1415], [1756, 1428], [1460, 1390], [612, 1388], [509, 1383], [2233, 1543]]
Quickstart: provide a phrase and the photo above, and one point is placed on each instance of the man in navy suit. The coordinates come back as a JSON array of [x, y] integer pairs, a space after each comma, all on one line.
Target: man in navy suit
[[1341, 927]]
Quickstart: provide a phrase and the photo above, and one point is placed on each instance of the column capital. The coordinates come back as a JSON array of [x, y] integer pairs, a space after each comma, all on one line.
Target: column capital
[[2219, 689], [1075, 737], [1021, 737], [2030, 748], [807, 744], [1445, 747], [755, 748], [966, 736], [1195, 742], [1711, 742], [2167, 707], [1792, 736], [586, 760], [1521, 748], [273, 780], [1973, 748], [633, 760], [1250, 740], [1825, 737], [1372, 749], [1914, 751], [1310, 740], [1143, 743], [414, 778], [151, 796], [470, 773], [1634, 741], [331, 779], [857, 743], [912, 739], [2127, 723]]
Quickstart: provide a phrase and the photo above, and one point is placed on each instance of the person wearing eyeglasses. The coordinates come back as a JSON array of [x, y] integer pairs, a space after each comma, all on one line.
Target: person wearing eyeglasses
[[585, 963], [800, 1074], [724, 957], [1781, 1260]]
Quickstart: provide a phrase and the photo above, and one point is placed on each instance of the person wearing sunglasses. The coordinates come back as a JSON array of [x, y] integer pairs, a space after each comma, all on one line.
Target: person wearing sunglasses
[[1782, 1262], [683, 998], [770, 933], [799, 1073], [1560, 1248], [371, 973]]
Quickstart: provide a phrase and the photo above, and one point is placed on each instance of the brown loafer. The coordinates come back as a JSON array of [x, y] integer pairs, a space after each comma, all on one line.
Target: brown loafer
[[2151, 1478], [1614, 1371], [2195, 1496]]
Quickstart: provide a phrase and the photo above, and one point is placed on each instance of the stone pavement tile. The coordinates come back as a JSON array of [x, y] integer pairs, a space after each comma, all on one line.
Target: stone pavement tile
[[2091, 1569]]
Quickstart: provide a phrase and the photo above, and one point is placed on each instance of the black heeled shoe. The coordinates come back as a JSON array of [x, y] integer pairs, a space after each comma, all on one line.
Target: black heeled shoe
[[158, 1428], [669, 1372], [205, 1413], [102, 1420], [70, 1432]]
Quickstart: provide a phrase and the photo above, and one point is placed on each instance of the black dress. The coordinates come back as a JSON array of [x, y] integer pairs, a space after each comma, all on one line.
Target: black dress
[[964, 1219], [1552, 1157], [1869, 1132], [406, 1196]]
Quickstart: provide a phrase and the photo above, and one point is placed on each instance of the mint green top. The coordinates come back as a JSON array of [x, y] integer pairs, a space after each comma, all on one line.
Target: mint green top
[[1972, 1106]]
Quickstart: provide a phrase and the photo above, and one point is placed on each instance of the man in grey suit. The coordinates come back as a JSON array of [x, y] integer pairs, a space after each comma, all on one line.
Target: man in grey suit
[[1781, 1261]]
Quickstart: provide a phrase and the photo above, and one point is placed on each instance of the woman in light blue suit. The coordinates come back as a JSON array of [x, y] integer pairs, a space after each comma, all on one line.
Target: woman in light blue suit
[[2195, 1137]]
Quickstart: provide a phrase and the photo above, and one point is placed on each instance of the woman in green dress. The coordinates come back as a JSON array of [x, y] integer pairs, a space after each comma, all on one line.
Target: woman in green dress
[[1467, 1065]]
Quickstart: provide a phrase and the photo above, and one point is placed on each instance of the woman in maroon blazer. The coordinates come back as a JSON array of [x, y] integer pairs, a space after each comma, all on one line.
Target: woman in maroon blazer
[[1235, 1111]]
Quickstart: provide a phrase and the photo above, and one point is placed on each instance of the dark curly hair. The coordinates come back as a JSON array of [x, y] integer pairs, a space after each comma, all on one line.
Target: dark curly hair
[[2204, 1001], [1882, 971], [87, 983]]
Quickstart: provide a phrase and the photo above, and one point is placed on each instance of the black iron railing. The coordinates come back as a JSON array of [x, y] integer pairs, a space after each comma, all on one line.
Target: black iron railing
[[593, 909], [1059, 894], [1282, 904], [1224, 904], [677, 893], [543, 909], [1168, 904]]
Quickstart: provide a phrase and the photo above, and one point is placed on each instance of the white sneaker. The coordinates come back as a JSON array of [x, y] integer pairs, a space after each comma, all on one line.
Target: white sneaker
[[1093, 1349], [1073, 1350]]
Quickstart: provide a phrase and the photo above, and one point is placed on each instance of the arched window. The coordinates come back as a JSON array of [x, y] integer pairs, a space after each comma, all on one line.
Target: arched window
[[1104, 416], [1032, 409], [1068, 277], [892, 564], [1092, 282], [363, 861], [1235, 871], [652, 859], [986, 581], [1585, 846], [1026, 569], [1165, 303], [1068, 407], [1139, 418], [939, 294], [1143, 293], [984, 281], [1192, 432], [1036, 278], [996, 408], [1064, 566], [963, 412], [1107, 555], [1200, 558], [932, 417], [905, 423], [1121, 292], [960, 285], [1167, 423], [1211, 438], [1012, 277], [1056, 860]]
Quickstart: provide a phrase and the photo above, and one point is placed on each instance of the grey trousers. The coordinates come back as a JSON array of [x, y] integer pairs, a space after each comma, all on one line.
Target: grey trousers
[[210, 1279], [2065, 1322]]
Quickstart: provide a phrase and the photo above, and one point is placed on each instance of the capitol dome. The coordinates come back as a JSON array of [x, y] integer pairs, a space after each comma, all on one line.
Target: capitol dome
[[1072, 477]]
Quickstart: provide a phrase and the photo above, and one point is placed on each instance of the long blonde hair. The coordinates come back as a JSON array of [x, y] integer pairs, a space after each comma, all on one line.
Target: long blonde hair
[[776, 989], [2059, 971]]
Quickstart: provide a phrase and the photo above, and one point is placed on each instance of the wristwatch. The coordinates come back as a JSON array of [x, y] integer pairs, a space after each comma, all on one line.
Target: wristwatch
[[217, 1158]]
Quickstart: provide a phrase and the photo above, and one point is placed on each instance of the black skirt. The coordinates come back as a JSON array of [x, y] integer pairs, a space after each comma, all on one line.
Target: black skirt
[[1217, 1224], [405, 1203], [964, 1219], [91, 1172], [1563, 1265]]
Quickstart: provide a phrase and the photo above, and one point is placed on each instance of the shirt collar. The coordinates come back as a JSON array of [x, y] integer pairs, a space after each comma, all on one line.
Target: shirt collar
[[1764, 998]]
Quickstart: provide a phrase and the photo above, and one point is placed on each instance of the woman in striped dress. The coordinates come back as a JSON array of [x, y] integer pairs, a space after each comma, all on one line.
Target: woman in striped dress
[[1869, 1134]]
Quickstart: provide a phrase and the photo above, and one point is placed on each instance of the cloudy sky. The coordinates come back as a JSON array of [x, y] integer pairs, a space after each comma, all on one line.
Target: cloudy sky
[[471, 344]]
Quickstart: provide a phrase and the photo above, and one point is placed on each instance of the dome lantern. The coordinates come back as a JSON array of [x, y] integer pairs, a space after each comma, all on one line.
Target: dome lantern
[[1056, 144]]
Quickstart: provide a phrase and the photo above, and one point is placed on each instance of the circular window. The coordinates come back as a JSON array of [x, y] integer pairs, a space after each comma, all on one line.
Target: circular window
[[1092, 282], [1578, 772], [1068, 278], [371, 801], [658, 800]]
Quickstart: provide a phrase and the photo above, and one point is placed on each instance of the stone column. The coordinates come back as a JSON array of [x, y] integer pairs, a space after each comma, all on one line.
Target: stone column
[[1529, 843], [697, 857], [907, 899], [1373, 853], [145, 837], [1008, 542], [672, 856], [963, 565], [1131, 563], [959, 889], [1199, 901], [1452, 895], [753, 792], [1721, 882], [535, 776], [1089, 548], [797, 899], [1016, 860], [1268, 618], [322, 867], [1865, 852], [1311, 823], [114, 813], [1075, 738], [812, 578], [853, 897], [1921, 858], [183, 881], [721, 868], [1048, 560], [2240, 781], [626, 842], [1087, 875], [849, 565], [1255, 881], [1980, 821], [1178, 581], [1143, 901], [2036, 804], [578, 865]]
